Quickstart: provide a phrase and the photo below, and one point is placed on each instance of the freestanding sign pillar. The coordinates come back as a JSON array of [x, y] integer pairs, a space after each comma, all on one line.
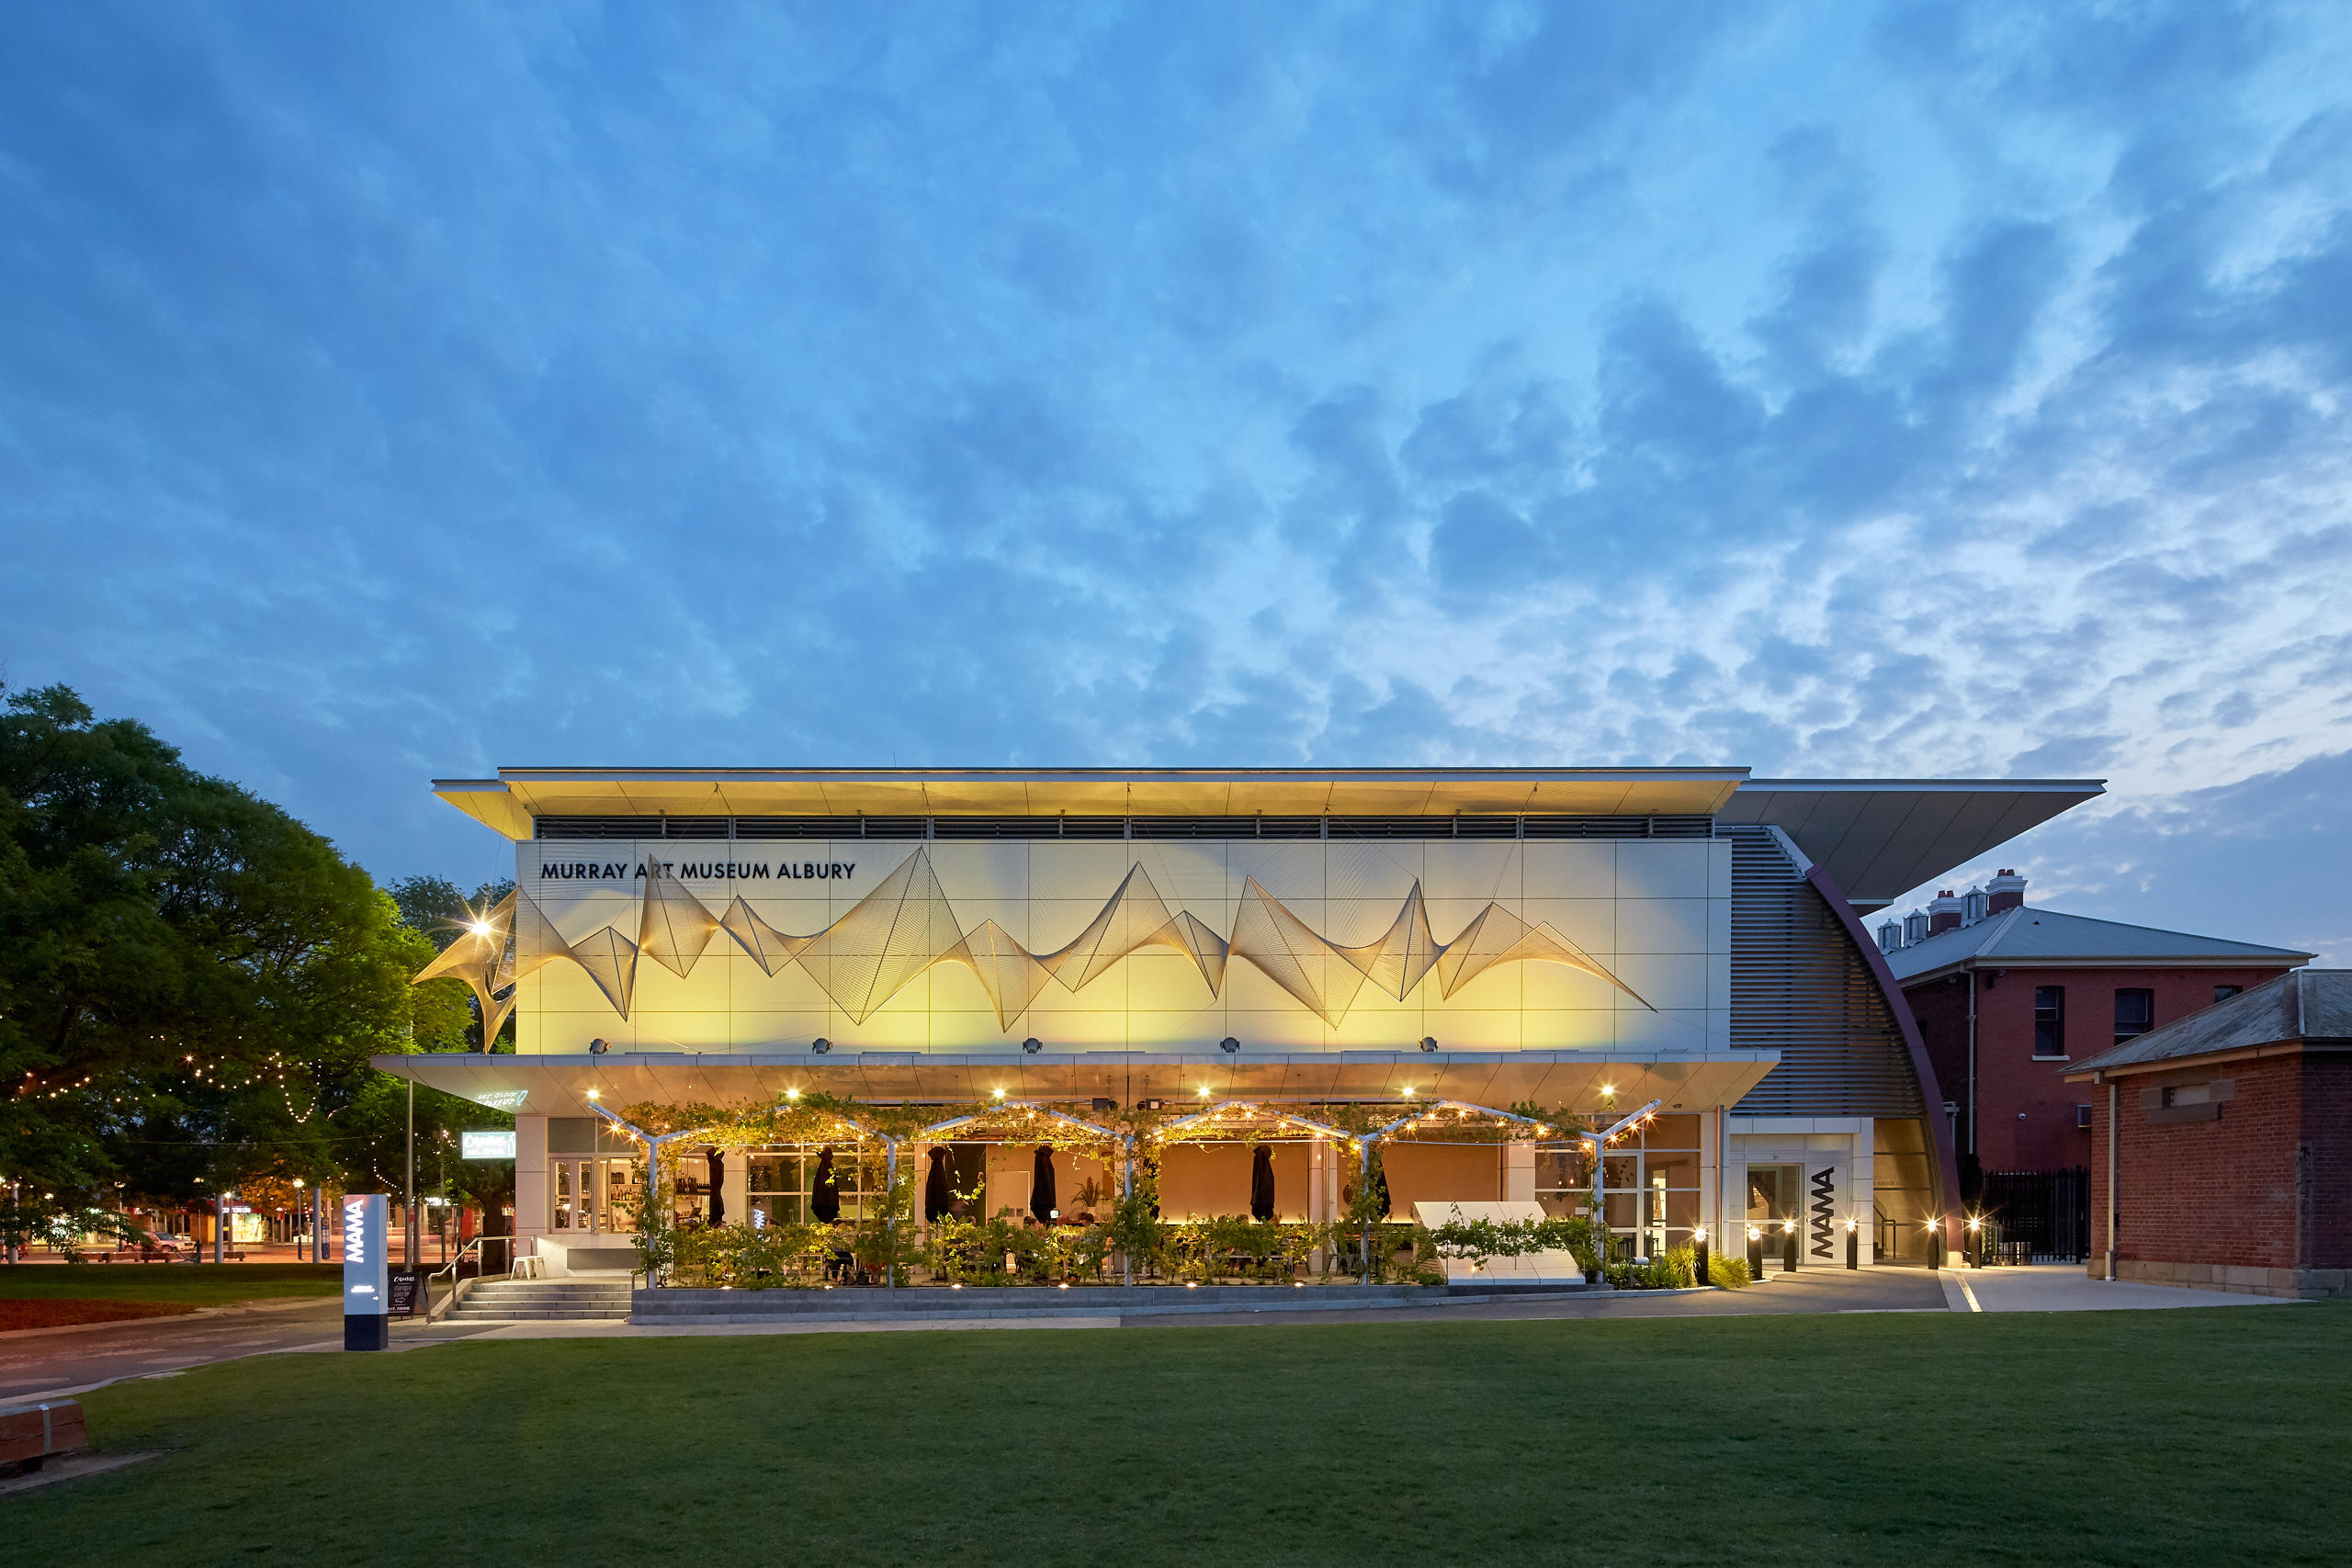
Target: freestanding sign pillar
[[367, 1284]]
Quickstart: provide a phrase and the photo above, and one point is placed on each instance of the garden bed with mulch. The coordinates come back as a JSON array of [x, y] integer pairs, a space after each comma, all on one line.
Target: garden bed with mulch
[[64, 1311]]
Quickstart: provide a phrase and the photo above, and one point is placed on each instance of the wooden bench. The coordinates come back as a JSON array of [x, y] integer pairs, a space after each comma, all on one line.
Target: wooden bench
[[31, 1434]]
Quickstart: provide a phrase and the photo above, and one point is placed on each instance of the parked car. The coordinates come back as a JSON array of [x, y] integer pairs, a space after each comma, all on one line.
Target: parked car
[[151, 1247]]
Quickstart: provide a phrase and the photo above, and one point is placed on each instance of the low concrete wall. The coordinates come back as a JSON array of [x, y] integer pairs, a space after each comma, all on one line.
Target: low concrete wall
[[672, 1306], [2304, 1284]]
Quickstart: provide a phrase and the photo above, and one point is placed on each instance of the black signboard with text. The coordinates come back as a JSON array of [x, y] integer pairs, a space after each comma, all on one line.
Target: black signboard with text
[[404, 1293]]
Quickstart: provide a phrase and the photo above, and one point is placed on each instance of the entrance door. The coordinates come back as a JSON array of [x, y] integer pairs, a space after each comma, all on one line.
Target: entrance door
[[590, 1197], [1772, 1200]]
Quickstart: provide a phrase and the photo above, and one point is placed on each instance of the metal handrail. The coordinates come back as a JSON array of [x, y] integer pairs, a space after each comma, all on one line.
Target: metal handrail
[[456, 1285]]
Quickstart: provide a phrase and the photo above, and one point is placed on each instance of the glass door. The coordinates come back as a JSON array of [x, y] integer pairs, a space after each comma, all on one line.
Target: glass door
[[593, 1197], [1772, 1204]]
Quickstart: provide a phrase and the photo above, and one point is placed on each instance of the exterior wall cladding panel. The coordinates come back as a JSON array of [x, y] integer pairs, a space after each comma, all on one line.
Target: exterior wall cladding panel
[[1799, 987]]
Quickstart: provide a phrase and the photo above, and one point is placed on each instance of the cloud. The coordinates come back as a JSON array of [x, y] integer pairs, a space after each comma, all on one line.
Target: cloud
[[1961, 391]]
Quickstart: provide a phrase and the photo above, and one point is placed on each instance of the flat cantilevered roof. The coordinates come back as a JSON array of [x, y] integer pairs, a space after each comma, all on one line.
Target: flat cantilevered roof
[[566, 1085], [509, 802], [1875, 838]]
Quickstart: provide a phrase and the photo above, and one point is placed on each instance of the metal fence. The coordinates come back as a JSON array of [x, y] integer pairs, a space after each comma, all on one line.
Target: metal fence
[[2044, 1213]]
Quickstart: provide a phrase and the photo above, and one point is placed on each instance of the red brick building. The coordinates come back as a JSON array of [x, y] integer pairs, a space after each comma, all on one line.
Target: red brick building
[[2005, 992], [2221, 1144]]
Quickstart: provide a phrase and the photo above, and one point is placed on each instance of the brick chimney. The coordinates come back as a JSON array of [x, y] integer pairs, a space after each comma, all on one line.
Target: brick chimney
[[1943, 912], [2006, 891]]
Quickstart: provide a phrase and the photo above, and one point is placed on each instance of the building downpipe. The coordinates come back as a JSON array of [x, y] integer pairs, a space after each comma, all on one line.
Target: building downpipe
[[2114, 1142]]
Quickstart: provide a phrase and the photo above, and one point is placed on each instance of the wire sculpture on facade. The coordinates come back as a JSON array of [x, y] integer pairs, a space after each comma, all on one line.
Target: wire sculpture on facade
[[907, 925]]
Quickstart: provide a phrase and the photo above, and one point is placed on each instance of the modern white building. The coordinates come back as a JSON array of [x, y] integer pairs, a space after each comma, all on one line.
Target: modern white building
[[1581, 941]]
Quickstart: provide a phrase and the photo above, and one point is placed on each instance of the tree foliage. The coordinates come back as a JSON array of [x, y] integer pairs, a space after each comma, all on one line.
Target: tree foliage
[[191, 981]]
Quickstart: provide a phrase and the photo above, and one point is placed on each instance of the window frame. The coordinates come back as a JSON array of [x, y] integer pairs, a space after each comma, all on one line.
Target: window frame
[[2056, 1023], [2122, 991]]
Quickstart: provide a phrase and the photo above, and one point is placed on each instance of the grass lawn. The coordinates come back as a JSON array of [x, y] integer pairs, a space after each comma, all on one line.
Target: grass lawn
[[179, 1284], [2187, 1437]]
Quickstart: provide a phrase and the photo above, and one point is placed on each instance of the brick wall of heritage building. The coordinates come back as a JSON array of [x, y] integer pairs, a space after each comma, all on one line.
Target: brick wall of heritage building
[[2025, 1110], [2327, 1125], [2215, 1203]]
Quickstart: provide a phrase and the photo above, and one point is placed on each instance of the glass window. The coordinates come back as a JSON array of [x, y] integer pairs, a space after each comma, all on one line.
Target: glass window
[[2050, 1020], [778, 1183], [1671, 1133], [1771, 1193], [2135, 1013], [1563, 1179], [2223, 993]]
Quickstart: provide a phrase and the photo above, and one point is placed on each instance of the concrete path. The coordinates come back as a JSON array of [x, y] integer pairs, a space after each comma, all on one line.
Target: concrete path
[[2064, 1287], [60, 1362]]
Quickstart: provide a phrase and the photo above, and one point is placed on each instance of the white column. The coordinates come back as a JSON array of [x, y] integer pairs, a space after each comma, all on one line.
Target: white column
[[735, 1186], [1711, 1181], [1518, 1173], [530, 1179]]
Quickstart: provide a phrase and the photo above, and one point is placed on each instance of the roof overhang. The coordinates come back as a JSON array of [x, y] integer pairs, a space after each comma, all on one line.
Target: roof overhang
[[2199, 1060], [560, 1085], [509, 802], [1876, 837], [1880, 838], [1979, 965]]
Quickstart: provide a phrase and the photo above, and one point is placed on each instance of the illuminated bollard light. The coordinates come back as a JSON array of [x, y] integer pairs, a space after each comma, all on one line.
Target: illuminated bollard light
[[1699, 1250], [1789, 1245], [1756, 1254], [1853, 1244]]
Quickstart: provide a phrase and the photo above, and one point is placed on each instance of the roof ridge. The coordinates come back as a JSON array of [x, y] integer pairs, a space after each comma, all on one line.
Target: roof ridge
[[2136, 926]]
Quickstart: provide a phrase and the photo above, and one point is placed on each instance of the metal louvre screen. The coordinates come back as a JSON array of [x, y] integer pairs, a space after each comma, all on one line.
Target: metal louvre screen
[[1798, 988]]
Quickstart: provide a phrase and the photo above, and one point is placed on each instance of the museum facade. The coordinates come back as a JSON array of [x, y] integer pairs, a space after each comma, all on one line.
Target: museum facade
[[1572, 943]]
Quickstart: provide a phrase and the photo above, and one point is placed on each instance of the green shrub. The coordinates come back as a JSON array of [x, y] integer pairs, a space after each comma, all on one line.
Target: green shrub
[[1728, 1273], [1676, 1269]]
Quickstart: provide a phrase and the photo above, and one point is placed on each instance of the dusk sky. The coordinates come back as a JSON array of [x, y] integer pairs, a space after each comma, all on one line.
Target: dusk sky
[[1953, 390]]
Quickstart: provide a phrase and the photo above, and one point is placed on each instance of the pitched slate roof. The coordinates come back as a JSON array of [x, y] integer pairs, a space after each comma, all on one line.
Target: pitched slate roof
[[2309, 1004], [2029, 934]]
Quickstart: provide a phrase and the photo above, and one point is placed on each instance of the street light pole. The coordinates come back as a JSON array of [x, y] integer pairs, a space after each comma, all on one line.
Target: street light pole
[[408, 1230]]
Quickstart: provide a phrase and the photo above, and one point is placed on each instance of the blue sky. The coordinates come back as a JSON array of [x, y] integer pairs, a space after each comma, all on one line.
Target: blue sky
[[1942, 390]]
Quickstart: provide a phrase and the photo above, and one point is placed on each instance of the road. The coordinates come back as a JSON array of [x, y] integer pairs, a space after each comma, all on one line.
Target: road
[[54, 1361]]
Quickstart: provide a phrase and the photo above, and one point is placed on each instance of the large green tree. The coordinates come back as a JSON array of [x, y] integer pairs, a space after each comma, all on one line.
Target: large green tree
[[191, 981]]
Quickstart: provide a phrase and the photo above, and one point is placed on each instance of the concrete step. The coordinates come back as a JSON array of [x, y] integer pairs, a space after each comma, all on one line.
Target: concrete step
[[571, 1287], [541, 1300]]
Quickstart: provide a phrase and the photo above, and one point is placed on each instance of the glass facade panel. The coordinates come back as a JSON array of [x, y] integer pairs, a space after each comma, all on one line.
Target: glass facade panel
[[1902, 1191], [1771, 1193], [1671, 1133], [779, 1182], [1651, 1185]]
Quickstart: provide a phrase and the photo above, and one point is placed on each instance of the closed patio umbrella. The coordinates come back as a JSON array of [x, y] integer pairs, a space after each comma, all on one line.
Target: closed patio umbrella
[[1042, 1199], [717, 1188], [825, 1200], [939, 1186], [1380, 1192], [1261, 1184]]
